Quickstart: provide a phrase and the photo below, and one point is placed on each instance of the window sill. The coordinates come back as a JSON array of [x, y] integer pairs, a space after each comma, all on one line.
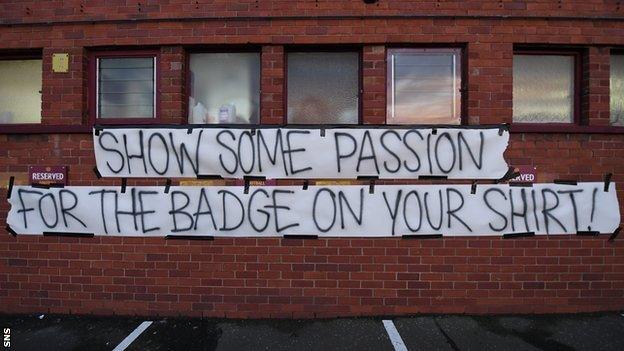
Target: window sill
[[564, 128], [43, 128], [128, 121]]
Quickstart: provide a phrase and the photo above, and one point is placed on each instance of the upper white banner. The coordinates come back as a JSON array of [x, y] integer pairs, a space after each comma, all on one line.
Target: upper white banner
[[271, 152]]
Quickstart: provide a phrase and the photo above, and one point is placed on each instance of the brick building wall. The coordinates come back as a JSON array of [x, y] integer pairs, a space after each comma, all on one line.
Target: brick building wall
[[261, 277]]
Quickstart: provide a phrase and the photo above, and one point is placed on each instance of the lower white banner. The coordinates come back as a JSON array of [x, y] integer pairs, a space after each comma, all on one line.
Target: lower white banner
[[332, 211]]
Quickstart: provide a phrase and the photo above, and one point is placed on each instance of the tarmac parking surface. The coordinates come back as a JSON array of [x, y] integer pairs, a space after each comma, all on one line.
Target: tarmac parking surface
[[603, 331]]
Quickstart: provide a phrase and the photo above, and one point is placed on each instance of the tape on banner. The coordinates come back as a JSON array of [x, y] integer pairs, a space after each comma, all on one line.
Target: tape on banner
[[565, 182], [97, 172], [10, 187], [518, 235], [300, 236], [432, 177], [189, 237], [615, 234], [607, 181], [73, 235], [503, 127], [209, 176], [421, 236], [10, 230], [587, 233]]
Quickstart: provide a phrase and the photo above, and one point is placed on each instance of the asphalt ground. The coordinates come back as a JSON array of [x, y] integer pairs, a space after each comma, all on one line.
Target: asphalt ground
[[604, 331]]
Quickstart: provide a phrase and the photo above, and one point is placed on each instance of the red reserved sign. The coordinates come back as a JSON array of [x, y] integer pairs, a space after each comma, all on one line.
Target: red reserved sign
[[47, 175], [528, 174]]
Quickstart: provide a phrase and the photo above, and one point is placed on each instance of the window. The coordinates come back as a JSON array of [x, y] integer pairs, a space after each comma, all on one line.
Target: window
[[323, 87], [125, 86], [224, 88], [20, 91], [424, 86], [617, 90], [544, 87]]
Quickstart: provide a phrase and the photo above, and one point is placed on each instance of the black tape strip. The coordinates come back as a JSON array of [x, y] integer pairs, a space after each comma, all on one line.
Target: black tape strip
[[167, 186], [518, 235], [371, 182], [97, 130], [40, 186], [615, 234], [124, 182], [607, 181], [209, 176], [367, 177], [306, 183], [10, 187], [421, 236], [246, 189], [502, 128], [74, 235], [300, 236], [97, 173], [511, 173], [252, 131], [522, 184], [189, 237], [432, 177], [473, 187], [587, 233], [322, 132], [434, 131], [189, 130], [250, 178], [565, 181], [10, 230]]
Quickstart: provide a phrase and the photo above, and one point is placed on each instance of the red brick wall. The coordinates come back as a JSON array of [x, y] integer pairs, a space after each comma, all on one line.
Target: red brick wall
[[251, 277]]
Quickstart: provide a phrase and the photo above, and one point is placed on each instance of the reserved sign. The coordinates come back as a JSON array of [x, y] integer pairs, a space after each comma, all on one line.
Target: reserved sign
[[47, 175]]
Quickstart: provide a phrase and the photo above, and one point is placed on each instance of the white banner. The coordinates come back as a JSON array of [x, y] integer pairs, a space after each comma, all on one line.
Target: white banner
[[338, 211], [395, 153]]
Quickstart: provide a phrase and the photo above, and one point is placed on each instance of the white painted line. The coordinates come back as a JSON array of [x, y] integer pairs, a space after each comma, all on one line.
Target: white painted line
[[130, 338], [394, 335]]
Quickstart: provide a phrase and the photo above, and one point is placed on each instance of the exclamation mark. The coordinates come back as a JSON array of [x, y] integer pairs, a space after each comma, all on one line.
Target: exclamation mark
[[591, 219]]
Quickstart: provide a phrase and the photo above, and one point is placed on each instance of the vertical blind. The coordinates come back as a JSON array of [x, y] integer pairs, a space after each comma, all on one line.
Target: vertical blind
[[126, 87]]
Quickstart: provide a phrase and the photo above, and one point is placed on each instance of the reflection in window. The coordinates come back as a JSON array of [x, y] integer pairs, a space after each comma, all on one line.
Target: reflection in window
[[543, 88], [424, 86], [323, 87], [617, 90], [20, 91], [126, 87], [225, 88]]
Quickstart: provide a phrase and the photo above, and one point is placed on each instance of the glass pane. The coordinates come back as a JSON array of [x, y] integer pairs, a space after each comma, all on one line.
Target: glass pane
[[617, 90], [20, 91], [129, 111], [424, 88], [323, 87], [126, 87], [225, 88], [543, 89]]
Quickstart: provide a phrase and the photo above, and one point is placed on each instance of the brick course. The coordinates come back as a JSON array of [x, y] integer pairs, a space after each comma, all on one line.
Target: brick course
[[261, 277]]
